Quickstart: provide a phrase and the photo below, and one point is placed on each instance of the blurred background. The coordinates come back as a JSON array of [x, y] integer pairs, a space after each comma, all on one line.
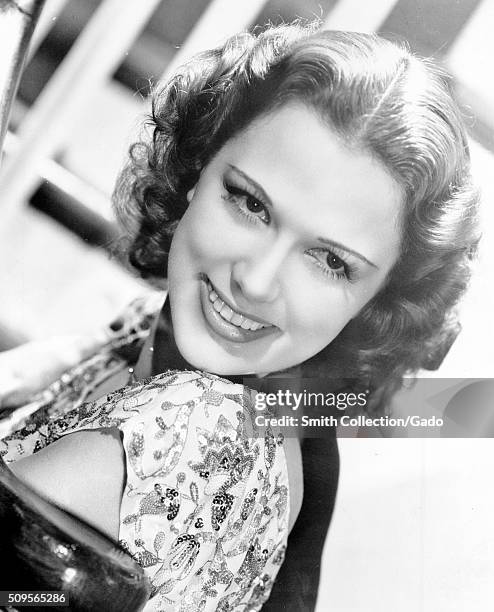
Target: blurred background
[[81, 100]]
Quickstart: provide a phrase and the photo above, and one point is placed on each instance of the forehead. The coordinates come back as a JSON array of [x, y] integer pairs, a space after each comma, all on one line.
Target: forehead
[[317, 182]]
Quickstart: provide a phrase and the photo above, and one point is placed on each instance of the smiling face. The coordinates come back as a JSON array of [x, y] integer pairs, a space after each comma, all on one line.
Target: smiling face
[[288, 234]]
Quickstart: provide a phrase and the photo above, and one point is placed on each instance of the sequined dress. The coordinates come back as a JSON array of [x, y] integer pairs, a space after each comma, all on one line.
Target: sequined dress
[[205, 505]]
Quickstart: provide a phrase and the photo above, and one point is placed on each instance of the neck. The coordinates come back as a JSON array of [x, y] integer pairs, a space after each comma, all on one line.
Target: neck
[[159, 352]]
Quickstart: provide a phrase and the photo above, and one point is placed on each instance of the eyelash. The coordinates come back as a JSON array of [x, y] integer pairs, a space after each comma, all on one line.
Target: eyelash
[[237, 195], [349, 271]]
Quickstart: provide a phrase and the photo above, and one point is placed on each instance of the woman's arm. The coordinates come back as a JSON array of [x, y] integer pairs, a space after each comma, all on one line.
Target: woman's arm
[[83, 473]]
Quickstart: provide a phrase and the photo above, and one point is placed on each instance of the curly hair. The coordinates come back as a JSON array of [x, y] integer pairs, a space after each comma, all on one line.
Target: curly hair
[[379, 98]]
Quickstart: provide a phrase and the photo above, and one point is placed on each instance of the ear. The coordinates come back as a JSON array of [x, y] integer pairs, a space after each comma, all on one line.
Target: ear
[[190, 194]]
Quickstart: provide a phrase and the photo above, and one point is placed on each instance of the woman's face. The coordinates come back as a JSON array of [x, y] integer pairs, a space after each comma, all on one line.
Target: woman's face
[[289, 233]]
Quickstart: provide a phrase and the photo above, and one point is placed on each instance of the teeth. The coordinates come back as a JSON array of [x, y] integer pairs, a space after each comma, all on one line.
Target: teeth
[[236, 319], [226, 312], [218, 304], [230, 315]]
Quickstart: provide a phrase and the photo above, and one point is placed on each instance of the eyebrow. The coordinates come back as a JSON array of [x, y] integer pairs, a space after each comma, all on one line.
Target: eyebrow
[[262, 193], [338, 245]]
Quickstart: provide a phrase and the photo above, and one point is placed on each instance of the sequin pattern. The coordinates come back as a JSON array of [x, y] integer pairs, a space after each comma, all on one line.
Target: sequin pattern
[[205, 506], [221, 529]]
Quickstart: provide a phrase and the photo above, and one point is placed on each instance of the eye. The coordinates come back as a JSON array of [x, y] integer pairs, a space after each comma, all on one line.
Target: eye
[[331, 264], [334, 262], [246, 204]]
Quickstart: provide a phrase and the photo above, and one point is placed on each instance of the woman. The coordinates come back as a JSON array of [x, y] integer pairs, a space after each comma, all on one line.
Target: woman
[[309, 194]]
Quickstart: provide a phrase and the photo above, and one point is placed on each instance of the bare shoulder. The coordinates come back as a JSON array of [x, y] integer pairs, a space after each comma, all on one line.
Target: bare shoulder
[[83, 472]]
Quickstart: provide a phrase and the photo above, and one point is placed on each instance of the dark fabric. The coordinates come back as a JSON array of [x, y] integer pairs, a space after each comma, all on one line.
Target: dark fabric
[[297, 583]]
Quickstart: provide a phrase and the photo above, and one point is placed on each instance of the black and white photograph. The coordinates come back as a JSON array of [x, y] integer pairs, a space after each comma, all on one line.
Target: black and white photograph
[[246, 305]]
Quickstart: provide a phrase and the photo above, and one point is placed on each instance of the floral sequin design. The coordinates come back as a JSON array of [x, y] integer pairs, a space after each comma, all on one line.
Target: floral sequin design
[[269, 448], [221, 505], [225, 462], [225, 467], [253, 563], [182, 556], [177, 566], [168, 443], [162, 500], [248, 504]]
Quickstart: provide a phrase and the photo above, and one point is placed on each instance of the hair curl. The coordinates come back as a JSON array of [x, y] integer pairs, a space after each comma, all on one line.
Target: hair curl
[[378, 97]]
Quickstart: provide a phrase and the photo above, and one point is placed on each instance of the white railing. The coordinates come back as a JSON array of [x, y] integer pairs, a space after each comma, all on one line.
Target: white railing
[[50, 14], [92, 60], [359, 16], [95, 55]]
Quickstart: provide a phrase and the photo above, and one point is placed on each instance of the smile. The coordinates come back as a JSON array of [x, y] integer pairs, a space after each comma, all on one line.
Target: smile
[[228, 322], [230, 315]]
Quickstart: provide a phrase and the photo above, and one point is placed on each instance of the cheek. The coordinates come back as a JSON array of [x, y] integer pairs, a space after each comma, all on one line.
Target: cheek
[[318, 316], [208, 233], [192, 239]]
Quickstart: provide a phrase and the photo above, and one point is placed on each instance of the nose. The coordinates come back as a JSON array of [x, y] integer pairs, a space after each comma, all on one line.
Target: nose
[[257, 276]]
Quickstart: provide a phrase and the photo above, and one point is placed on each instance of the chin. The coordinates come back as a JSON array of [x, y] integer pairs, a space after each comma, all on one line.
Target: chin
[[212, 357]]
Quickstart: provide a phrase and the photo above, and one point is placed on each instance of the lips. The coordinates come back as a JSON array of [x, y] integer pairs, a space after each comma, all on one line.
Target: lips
[[228, 322]]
